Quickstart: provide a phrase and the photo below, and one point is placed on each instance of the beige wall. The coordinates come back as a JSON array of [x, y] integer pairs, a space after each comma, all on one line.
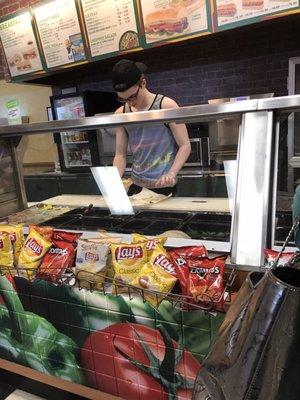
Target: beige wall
[[35, 149]]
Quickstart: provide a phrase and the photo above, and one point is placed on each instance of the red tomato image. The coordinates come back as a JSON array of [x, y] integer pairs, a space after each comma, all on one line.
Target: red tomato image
[[136, 362]]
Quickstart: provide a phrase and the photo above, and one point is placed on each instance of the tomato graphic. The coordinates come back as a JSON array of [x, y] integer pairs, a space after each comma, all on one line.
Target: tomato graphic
[[136, 362]]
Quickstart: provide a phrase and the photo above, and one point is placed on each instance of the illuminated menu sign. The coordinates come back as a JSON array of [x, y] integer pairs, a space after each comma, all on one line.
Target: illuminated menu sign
[[20, 46], [166, 20], [59, 30], [238, 12], [111, 26]]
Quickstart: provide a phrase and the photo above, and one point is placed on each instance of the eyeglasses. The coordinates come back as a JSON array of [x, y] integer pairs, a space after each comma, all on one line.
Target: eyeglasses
[[130, 98]]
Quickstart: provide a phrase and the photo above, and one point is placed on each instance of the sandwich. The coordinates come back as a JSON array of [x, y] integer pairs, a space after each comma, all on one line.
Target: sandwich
[[253, 4], [190, 5], [166, 21], [226, 10]]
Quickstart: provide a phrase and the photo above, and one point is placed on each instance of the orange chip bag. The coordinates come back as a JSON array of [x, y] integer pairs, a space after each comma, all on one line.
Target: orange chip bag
[[158, 274], [32, 253], [151, 243], [6, 253], [128, 260], [16, 236], [45, 231]]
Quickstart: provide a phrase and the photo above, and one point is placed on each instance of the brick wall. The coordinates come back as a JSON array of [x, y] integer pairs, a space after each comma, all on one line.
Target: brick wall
[[242, 61]]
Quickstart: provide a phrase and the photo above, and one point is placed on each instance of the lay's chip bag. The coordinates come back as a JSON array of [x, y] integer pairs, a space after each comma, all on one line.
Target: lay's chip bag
[[128, 260], [150, 242], [159, 275], [32, 253], [6, 254], [16, 236]]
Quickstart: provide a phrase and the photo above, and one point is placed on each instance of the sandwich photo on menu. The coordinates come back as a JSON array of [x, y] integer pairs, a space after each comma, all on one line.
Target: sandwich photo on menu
[[166, 22]]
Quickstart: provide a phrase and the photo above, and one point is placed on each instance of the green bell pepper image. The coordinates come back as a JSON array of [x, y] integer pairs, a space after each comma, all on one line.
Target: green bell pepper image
[[32, 341]]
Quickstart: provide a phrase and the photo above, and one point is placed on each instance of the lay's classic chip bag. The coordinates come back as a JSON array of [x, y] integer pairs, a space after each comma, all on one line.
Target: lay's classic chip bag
[[16, 236], [128, 260], [159, 275], [6, 253], [150, 243], [32, 253]]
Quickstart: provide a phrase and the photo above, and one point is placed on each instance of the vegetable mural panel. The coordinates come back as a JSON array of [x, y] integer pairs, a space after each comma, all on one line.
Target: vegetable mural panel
[[109, 342]]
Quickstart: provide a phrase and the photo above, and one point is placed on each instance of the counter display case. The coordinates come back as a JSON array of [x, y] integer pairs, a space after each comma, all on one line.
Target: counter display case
[[119, 342]]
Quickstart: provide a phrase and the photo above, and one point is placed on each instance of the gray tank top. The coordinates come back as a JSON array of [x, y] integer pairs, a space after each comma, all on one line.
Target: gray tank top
[[153, 149]]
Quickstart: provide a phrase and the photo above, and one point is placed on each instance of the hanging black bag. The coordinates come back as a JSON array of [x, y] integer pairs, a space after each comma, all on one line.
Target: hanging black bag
[[256, 355]]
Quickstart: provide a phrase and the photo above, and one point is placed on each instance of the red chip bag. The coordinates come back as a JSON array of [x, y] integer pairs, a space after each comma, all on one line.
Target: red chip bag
[[58, 259], [271, 256], [205, 282], [70, 237], [180, 257]]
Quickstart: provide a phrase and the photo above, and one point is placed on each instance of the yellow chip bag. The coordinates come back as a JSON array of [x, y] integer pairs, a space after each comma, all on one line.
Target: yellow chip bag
[[16, 237], [32, 253], [6, 253], [128, 260], [151, 243], [158, 274]]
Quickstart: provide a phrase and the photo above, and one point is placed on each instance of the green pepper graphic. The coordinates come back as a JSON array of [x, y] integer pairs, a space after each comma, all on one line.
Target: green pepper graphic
[[30, 340]]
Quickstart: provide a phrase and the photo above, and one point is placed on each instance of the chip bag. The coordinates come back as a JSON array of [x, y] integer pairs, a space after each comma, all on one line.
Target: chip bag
[[271, 256], [205, 282], [159, 275], [6, 254], [16, 237], [128, 260], [150, 243], [70, 237], [45, 231], [59, 258], [32, 253], [91, 264], [180, 257]]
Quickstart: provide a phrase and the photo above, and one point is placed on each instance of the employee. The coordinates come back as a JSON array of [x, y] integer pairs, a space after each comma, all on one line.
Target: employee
[[158, 151]]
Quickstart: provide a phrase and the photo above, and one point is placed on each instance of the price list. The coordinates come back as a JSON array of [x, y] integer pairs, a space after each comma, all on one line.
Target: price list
[[111, 26]]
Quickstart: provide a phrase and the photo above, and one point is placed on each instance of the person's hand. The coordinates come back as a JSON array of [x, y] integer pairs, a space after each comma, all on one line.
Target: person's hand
[[127, 183], [166, 180]]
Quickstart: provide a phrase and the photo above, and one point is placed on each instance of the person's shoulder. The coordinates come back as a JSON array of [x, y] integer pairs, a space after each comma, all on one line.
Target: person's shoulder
[[167, 102], [120, 110]]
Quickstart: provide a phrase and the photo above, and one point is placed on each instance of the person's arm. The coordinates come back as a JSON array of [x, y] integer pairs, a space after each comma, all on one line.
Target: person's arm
[[121, 148], [184, 147]]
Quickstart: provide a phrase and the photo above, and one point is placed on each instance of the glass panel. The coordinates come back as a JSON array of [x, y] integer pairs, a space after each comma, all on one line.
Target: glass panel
[[202, 205], [69, 108], [7, 178]]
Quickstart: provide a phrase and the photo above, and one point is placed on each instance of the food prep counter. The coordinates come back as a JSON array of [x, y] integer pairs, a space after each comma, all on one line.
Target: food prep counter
[[109, 342]]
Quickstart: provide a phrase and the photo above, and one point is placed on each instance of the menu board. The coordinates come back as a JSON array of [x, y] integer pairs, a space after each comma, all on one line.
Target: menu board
[[233, 12], [59, 31], [20, 45], [111, 26], [169, 19]]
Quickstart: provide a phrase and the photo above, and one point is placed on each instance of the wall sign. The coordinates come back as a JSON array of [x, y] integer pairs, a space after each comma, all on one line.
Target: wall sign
[[19, 44], [111, 26], [165, 20], [231, 13], [59, 31]]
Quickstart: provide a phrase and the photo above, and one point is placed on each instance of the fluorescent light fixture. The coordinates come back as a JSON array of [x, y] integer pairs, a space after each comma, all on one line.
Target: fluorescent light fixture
[[112, 189]]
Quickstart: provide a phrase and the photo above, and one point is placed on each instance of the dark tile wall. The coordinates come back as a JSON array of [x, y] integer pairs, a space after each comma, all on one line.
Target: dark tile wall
[[238, 62]]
